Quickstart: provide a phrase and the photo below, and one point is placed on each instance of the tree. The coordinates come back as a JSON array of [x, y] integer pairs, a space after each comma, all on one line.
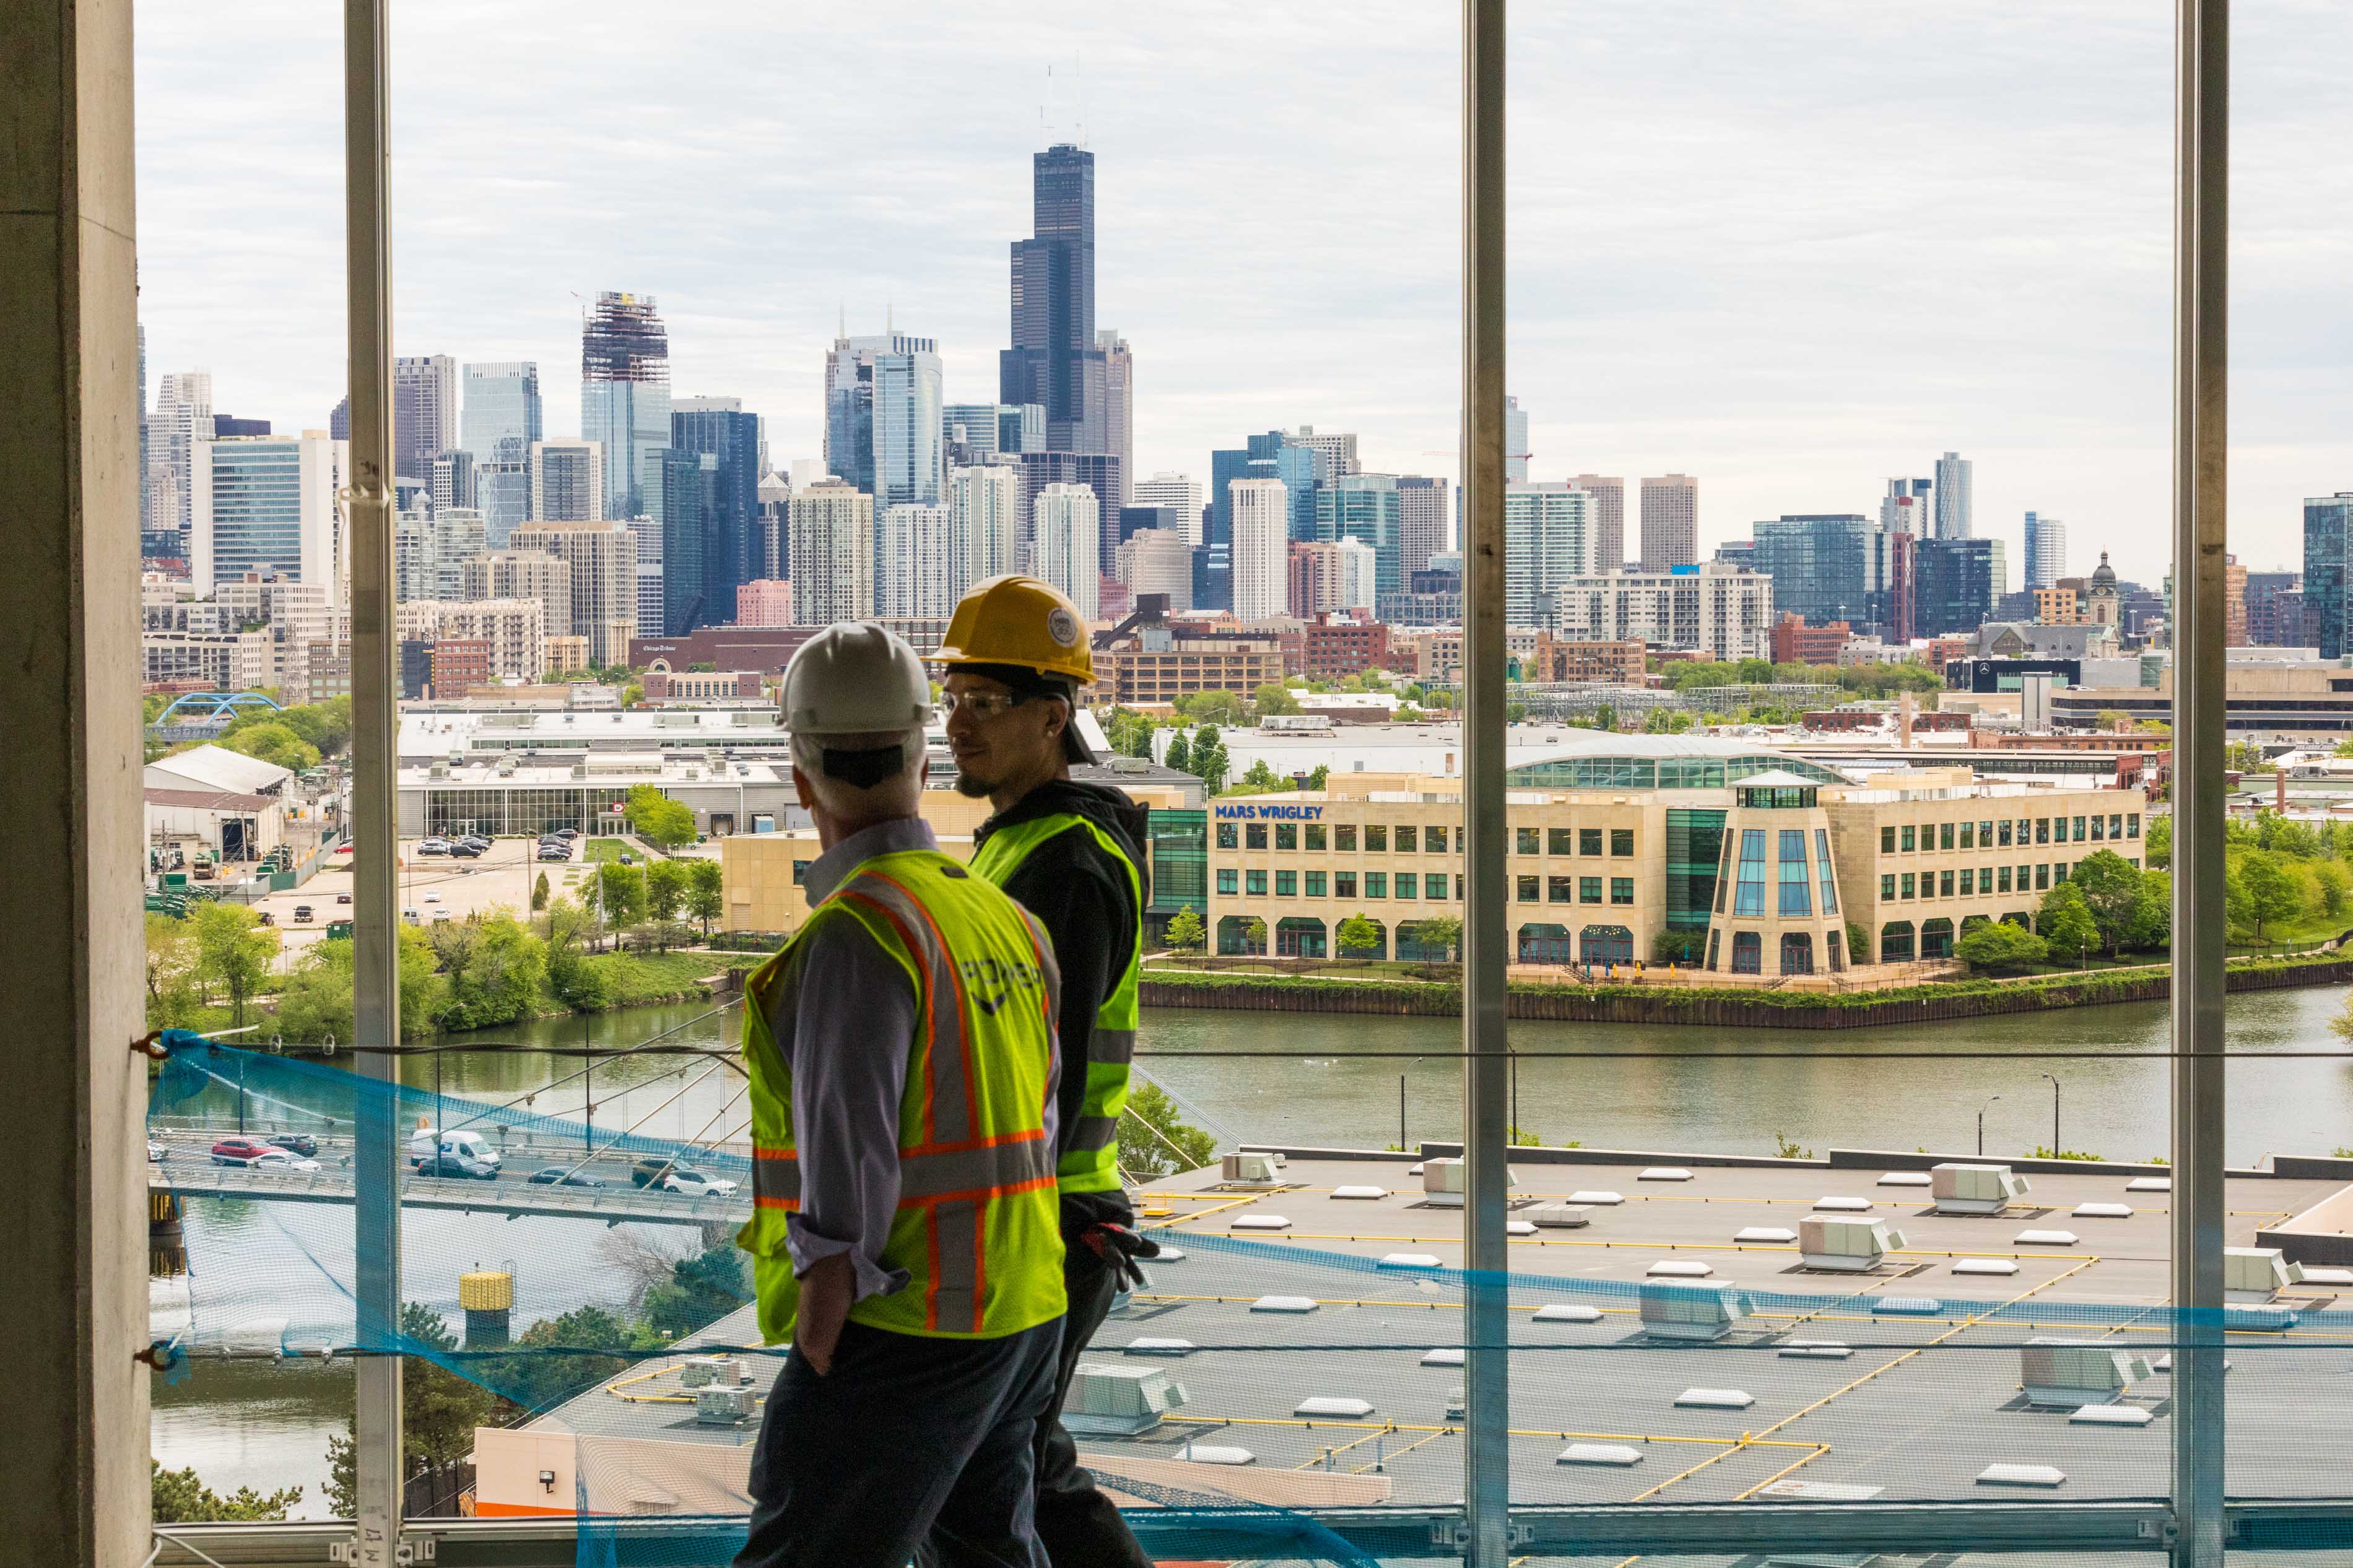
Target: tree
[[493, 968], [1260, 780], [1321, 778], [2111, 889], [1678, 946], [1214, 707], [1180, 754], [1998, 944], [1605, 718], [665, 889], [182, 1498], [1186, 933], [2334, 883], [1209, 763], [705, 893], [1254, 934], [1441, 931], [233, 951], [622, 889], [317, 1001], [2064, 923], [1358, 934], [2151, 927], [539, 894], [1271, 698], [438, 1413], [2269, 895], [658, 819], [275, 743], [700, 1290], [172, 998], [1155, 1138], [2156, 844]]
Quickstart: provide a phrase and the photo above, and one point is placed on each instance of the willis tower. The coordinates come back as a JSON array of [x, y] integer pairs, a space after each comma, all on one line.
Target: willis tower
[[1056, 360]]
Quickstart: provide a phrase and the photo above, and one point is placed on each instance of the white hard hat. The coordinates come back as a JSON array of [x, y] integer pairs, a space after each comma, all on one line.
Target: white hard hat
[[853, 679]]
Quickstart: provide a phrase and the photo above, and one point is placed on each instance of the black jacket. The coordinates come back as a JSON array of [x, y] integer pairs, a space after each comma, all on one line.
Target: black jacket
[[1081, 894]]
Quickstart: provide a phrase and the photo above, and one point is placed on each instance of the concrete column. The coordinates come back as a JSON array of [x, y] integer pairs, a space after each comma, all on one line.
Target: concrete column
[[73, 1231]]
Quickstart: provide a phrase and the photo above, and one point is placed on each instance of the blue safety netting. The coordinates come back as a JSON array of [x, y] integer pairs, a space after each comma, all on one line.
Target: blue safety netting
[[1262, 1398]]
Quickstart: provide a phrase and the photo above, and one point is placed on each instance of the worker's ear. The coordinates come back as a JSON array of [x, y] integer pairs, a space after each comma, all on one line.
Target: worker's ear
[[801, 789]]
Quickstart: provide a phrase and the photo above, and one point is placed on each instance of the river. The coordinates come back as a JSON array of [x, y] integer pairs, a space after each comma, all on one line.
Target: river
[[1327, 1079]]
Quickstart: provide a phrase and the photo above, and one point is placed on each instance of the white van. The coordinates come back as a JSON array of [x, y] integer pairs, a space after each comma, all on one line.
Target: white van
[[460, 1143]]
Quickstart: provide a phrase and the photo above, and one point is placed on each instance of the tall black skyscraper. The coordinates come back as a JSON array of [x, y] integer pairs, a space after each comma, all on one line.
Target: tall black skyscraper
[[1054, 360], [710, 539]]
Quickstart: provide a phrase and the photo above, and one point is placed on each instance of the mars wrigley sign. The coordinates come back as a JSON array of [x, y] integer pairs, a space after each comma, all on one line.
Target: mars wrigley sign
[[1271, 813]]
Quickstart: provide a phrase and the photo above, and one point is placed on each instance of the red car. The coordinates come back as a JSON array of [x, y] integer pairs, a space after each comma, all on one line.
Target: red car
[[242, 1151]]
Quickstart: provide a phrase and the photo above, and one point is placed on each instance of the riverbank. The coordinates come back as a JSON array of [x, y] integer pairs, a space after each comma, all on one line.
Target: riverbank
[[1609, 1004]]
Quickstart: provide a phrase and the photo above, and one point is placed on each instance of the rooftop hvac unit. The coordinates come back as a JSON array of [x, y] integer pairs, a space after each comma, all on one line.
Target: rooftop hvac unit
[[724, 1406], [1249, 1170], [1692, 1309], [1847, 1242], [2255, 1274], [1443, 1182], [2070, 1373], [703, 1371], [1958, 1188], [1120, 1400]]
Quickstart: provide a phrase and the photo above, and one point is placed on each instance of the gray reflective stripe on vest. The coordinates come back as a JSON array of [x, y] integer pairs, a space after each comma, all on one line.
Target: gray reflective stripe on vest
[[956, 1275], [971, 1173], [1094, 1132], [951, 1101], [1113, 1047]]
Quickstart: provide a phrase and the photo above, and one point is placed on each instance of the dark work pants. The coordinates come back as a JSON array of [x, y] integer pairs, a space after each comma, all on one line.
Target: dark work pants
[[910, 1441], [1079, 1526]]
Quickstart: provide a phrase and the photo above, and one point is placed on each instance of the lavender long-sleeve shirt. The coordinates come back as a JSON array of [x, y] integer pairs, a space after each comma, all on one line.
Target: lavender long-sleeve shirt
[[853, 1019]]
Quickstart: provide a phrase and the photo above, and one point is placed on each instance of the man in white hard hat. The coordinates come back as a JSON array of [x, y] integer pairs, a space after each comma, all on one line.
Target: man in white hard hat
[[904, 1230]]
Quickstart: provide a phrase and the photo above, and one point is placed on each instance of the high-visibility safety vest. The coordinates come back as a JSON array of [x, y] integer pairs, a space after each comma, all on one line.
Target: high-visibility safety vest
[[1090, 1162], [977, 1224]]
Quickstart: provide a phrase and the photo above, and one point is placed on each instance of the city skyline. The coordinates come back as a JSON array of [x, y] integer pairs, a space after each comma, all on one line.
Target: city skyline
[[2031, 310]]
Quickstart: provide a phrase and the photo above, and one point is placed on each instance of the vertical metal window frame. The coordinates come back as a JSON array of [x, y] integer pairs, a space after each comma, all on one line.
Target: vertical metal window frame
[[375, 897]]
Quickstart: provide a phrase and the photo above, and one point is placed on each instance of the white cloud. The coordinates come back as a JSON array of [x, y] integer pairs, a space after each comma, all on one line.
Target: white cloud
[[1794, 250]]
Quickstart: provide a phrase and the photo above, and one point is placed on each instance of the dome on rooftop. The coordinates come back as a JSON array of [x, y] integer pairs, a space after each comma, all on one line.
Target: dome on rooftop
[[2104, 575]]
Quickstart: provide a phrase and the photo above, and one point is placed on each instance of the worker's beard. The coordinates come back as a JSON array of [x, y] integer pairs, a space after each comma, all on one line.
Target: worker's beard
[[973, 786]]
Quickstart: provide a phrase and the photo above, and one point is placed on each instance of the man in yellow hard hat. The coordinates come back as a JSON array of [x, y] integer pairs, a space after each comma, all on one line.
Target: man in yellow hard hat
[[1017, 660], [905, 1230]]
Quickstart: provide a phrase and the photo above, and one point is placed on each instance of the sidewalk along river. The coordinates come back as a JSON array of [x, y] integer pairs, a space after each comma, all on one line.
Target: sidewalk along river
[[1320, 1079]]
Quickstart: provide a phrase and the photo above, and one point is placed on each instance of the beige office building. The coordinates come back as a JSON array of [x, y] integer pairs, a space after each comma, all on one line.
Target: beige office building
[[1670, 523], [602, 560]]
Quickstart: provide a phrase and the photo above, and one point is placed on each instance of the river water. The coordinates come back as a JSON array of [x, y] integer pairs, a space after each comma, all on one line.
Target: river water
[[1325, 1079]]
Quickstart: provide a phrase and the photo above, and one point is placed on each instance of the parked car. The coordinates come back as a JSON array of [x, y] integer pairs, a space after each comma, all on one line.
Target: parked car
[[555, 853], [302, 1143], [696, 1183], [431, 897], [477, 840], [241, 1151], [462, 1141], [281, 1160], [342, 848], [457, 1165], [567, 833], [440, 916], [557, 1176], [302, 914], [628, 859], [466, 851], [412, 917], [343, 898], [433, 847]]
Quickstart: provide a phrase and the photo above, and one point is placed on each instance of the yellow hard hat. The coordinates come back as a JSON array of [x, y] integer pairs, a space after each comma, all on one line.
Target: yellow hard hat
[[1019, 621]]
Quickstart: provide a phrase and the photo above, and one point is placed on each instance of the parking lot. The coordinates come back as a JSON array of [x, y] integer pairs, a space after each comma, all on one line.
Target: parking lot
[[429, 884]]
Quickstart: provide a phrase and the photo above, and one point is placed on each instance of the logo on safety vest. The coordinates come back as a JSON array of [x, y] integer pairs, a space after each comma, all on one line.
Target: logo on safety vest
[[1062, 626]]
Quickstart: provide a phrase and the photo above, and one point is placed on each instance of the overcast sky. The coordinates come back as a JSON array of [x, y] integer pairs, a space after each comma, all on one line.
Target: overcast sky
[[1793, 248]]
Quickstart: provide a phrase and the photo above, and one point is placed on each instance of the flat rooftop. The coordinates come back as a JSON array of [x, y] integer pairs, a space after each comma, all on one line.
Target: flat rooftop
[[1921, 1401]]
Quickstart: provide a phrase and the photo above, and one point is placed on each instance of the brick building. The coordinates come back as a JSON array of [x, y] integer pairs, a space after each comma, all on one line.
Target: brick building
[[1333, 650], [1560, 659], [1794, 642], [460, 664]]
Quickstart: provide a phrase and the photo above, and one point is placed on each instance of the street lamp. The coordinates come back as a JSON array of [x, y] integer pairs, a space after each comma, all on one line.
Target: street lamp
[[2054, 1116], [1981, 1110]]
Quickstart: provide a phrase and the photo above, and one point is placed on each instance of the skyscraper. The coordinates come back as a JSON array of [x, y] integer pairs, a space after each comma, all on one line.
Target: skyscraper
[[1055, 360], [1952, 498], [503, 489], [452, 478], [916, 571], [883, 425], [1119, 407], [501, 404], [718, 429], [1065, 544], [144, 523], [602, 558], [1516, 459], [1548, 540], [1957, 581], [1670, 523], [986, 522], [424, 413], [624, 399], [1608, 520], [1825, 566], [2328, 532], [1901, 511], [1425, 522], [2046, 550], [521, 575], [567, 481], [1335, 451], [267, 503], [183, 417], [1261, 548], [695, 591], [1157, 561], [833, 554], [1180, 491], [1367, 508]]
